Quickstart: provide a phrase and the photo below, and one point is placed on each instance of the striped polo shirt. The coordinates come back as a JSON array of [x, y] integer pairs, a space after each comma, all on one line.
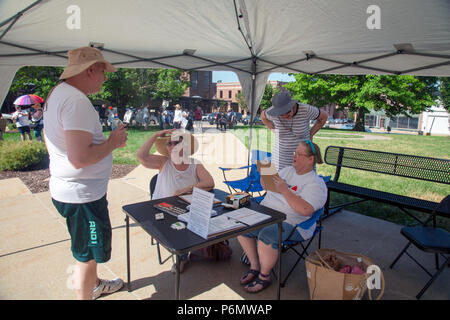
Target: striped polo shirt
[[289, 133]]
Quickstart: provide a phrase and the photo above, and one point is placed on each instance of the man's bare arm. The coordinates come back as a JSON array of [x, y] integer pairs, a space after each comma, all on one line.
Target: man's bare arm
[[269, 124], [82, 152], [320, 122]]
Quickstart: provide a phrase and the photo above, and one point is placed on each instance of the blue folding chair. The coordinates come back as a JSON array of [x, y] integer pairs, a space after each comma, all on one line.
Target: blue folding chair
[[252, 182]]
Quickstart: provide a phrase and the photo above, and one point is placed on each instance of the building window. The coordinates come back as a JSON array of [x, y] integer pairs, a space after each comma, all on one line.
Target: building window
[[221, 94], [194, 79], [229, 94]]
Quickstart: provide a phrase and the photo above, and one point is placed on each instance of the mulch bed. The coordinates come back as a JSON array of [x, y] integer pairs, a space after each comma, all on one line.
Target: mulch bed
[[36, 179]]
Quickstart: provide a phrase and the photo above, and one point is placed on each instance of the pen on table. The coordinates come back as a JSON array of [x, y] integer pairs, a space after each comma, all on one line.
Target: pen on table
[[237, 221]]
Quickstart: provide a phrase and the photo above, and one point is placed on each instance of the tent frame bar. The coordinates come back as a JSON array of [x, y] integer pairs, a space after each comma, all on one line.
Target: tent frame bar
[[358, 64], [19, 14], [36, 51]]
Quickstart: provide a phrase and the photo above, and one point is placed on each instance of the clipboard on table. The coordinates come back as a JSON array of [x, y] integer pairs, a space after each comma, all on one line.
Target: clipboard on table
[[267, 171]]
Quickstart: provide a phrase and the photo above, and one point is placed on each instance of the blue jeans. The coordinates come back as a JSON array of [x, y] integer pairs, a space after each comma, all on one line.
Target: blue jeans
[[269, 235], [37, 130]]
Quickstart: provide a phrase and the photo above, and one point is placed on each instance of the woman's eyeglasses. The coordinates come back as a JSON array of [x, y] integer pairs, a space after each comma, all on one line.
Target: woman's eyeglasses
[[172, 143], [300, 154]]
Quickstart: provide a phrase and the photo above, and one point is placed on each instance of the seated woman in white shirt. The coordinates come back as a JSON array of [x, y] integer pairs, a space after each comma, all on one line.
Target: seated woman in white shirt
[[301, 193], [178, 172]]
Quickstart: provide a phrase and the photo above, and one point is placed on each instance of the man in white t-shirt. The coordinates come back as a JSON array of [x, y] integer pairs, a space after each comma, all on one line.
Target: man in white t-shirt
[[80, 166]]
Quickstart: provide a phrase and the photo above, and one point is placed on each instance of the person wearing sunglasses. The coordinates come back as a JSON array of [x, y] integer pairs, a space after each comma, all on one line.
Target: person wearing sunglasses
[[178, 172], [300, 192], [290, 120]]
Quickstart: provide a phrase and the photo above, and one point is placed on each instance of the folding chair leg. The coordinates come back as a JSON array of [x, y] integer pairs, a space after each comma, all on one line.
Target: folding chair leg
[[300, 257], [401, 253], [443, 266]]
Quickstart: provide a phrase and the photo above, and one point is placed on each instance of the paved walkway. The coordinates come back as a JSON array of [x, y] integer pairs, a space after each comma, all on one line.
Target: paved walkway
[[36, 261]]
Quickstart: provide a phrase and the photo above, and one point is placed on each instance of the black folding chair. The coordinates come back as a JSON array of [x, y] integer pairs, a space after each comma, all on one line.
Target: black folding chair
[[429, 239], [289, 244], [152, 190]]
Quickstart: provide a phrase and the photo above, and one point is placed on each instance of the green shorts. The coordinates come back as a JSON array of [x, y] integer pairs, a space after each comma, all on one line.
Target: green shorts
[[89, 227]]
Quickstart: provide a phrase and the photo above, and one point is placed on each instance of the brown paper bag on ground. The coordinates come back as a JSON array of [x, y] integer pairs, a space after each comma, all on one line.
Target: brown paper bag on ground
[[327, 284]]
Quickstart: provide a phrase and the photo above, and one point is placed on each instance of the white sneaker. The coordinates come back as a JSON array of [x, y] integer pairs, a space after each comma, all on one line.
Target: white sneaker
[[106, 287]]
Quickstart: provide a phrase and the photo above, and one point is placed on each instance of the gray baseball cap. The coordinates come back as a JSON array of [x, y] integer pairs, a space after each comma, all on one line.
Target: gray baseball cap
[[281, 103]]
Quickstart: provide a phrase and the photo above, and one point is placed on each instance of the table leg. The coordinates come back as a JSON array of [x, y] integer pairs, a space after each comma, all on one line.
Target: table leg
[[279, 260], [177, 280], [127, 222]]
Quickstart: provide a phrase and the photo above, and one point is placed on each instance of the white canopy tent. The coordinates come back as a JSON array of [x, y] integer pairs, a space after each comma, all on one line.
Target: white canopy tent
[[250, 37]]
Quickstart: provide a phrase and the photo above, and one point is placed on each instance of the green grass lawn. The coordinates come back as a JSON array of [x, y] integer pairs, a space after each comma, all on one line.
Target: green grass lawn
[[136, 138], [428, 146]]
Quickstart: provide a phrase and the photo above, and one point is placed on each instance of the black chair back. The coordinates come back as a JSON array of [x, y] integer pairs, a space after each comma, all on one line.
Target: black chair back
[[153, 185]]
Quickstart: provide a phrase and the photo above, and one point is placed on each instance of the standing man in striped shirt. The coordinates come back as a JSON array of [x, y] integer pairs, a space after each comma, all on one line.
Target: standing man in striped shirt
[[290, 120]]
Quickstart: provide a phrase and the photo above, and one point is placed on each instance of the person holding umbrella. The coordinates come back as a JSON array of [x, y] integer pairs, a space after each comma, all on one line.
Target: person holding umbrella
[[20, 117]]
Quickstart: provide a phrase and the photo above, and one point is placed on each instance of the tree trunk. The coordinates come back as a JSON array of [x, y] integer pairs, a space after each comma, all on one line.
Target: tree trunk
[[359, 123]]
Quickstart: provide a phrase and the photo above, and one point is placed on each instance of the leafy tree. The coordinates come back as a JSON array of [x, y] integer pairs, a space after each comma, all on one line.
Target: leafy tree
[[241, 101], [138, 86], [444, 88], [42, 80], [171, 84], [394, 94]]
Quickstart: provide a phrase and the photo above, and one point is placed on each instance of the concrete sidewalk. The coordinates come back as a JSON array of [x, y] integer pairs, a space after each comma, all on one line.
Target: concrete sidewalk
[[36, 261]]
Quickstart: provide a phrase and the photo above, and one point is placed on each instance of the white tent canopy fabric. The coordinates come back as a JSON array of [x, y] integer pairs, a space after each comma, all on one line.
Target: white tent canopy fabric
[[250, 37]]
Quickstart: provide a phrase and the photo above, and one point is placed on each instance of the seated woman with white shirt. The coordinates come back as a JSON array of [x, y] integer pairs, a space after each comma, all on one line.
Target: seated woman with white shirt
[[178, 172], [301, 193]]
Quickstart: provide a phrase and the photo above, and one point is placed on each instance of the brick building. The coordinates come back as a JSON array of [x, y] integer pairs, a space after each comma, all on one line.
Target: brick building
[[227, 91]]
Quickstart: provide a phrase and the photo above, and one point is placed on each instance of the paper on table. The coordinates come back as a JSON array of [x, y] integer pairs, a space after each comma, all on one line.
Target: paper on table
[[185, 216], [221, 224], [247, 216], [200, 213], [188, 198]]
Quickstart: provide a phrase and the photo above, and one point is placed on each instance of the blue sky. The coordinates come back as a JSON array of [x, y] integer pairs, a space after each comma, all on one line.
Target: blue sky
[[228, 76]]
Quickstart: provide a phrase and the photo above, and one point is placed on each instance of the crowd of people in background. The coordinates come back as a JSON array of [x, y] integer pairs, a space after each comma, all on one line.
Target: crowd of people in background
[[28, 118]]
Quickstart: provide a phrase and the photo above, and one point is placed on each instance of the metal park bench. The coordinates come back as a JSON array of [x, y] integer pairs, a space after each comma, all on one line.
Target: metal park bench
[[401, 165]]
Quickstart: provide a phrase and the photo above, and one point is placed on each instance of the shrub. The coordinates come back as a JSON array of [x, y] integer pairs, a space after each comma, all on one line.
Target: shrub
[[18, 155], [12, 126]]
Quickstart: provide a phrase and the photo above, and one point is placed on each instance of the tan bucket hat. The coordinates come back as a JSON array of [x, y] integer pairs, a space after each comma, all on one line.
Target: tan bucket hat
[[161, 142], [82, 58]]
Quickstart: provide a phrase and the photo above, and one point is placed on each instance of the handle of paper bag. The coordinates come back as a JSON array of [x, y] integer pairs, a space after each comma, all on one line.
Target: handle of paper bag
[[323, 261], [382, 288]]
